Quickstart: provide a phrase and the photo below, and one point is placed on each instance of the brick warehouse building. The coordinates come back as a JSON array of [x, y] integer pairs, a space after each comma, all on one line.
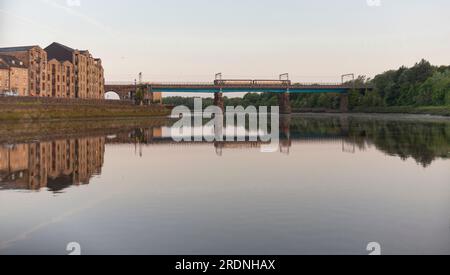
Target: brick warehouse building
[[88, 71], [59, 71], [35, 59], [61, 79], [13, 75]]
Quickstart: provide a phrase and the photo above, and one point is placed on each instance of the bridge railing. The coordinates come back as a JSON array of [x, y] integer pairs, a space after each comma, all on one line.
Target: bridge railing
[[318, 84], [179, 83], [246, 83], [242, 83]]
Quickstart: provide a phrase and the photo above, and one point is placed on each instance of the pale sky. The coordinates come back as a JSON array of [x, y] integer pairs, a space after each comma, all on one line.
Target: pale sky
[[180, 40]]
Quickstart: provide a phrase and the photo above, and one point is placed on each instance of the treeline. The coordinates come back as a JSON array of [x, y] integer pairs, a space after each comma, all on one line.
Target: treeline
[[421, 85]]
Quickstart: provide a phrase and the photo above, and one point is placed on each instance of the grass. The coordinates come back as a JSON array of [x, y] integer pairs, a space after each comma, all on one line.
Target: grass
[[36, 112]]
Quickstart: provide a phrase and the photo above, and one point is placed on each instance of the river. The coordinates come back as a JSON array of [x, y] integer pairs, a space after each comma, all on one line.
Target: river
[[336, 183]]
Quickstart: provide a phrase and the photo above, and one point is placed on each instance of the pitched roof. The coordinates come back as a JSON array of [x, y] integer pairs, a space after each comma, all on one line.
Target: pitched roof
[[12, 61], [17, 49], [59, 52], [62, 46]]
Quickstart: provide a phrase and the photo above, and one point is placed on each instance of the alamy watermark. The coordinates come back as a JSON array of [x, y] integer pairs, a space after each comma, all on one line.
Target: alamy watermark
[[190, 127], [373, 3], [73, 3]]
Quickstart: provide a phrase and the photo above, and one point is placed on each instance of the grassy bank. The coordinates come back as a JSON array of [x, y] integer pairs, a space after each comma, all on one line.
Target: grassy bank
[[34, 112]]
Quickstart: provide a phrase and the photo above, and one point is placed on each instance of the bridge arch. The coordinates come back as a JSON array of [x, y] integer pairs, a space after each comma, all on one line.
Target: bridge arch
[[111, 95], [125, 92]]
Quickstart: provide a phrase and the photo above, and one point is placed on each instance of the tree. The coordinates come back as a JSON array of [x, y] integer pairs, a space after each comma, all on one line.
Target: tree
[[140, 95], [435, 90]]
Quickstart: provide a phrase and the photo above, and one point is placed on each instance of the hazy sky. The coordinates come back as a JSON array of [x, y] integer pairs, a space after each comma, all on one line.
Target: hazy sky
[[192, 40]]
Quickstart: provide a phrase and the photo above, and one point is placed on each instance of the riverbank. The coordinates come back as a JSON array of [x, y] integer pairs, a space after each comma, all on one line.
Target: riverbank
[[37, 109], [423, 110], [28, 131]]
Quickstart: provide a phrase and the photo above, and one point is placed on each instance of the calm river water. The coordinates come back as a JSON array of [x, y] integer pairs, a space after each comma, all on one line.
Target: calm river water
[[124, 187]]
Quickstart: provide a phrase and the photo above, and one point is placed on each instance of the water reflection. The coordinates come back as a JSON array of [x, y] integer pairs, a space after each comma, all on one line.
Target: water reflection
[[423, 140], [56, 164]]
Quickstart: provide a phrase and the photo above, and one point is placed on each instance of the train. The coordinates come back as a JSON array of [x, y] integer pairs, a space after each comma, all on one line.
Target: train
[[249, 82]]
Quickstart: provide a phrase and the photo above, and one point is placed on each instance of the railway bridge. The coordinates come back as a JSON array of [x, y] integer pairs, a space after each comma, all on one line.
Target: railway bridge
[[282, 87]]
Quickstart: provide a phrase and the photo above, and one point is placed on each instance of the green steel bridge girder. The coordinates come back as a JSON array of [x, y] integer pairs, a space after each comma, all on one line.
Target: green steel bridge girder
[[262, 90]]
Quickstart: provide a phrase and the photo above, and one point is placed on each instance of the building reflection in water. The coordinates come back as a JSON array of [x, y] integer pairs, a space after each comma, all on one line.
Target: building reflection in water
[[55, 165]]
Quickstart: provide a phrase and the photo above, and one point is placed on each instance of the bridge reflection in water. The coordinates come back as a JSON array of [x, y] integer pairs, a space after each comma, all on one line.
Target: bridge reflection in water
[[162, 136], [58, 163]]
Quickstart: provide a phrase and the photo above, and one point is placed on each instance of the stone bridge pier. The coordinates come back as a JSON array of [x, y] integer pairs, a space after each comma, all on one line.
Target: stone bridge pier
[[285, 103], [218, 101]]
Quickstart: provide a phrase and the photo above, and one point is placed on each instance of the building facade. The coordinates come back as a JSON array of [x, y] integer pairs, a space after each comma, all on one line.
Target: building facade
[[4, 77], [61, 79], [89, 81], [13, 76], [35, 59], [57, 71]]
